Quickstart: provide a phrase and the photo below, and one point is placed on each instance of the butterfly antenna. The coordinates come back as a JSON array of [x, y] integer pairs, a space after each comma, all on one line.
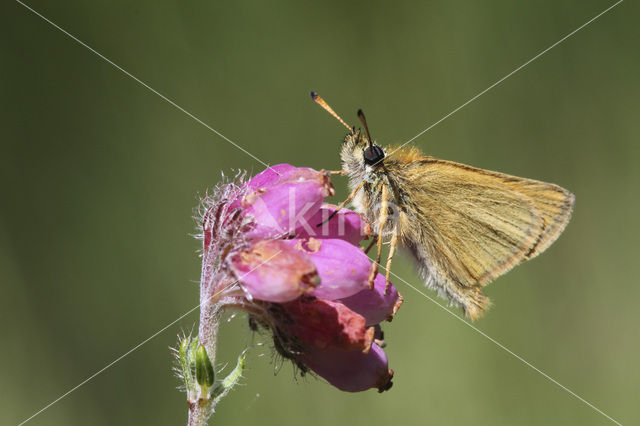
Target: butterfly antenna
[[317, 99], [364, 121]]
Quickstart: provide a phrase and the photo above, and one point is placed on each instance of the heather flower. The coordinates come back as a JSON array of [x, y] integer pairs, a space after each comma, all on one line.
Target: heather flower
[[282, 198], [337, 367], [269, 250], [375, 305], [347, 224], [287, 274], [343, 267]]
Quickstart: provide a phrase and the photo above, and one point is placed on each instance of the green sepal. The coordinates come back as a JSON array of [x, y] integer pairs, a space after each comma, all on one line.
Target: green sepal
[[183, 359], [231, 380]]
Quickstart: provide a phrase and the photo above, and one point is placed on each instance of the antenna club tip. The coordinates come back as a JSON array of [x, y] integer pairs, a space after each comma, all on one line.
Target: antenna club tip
[[318, 100], [360, 113]]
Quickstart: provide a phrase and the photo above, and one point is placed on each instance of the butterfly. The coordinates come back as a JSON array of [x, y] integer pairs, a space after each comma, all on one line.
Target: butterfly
[[464, 226]]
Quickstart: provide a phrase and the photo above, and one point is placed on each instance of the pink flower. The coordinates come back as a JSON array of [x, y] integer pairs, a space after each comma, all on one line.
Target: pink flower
[[283, 198], [324, 324], [351, 371], [347, 224], [343, 267], [374, 305], [307, 284], [289, 273]]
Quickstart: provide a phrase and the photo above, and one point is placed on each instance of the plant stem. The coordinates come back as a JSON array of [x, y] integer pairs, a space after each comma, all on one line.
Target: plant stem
[[202, 407], [199, 412]]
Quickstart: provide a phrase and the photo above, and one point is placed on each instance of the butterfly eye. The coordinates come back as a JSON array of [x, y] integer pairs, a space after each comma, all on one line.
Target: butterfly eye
[[373, 155]]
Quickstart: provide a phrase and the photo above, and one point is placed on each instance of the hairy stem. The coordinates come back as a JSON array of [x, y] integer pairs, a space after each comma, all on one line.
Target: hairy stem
[[201, 407], [199, 412]]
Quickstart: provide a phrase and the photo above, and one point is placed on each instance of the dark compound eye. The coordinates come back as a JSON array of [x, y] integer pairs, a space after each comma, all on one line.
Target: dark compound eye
[[373, 155]]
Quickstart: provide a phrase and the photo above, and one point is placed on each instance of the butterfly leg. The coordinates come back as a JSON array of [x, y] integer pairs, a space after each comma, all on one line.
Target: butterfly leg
[[338, 172], [374, 240], [342, 204], [373, 271], [382, 221], [392, 249]]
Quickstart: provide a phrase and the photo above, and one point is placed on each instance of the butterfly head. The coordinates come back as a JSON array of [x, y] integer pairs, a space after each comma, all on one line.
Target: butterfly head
[[373, 154], [360, 155]]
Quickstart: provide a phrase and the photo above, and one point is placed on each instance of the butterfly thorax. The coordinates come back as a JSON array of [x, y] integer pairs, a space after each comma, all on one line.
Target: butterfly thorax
[[371, 177]]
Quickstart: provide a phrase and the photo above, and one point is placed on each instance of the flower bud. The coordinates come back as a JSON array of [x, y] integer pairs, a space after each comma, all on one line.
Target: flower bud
[[204, 369]]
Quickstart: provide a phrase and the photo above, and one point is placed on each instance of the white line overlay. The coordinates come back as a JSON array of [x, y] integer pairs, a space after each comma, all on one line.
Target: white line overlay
[[140, 344], [265, 164], [506, 76], [128, 74], [109, 365], [503, 347]]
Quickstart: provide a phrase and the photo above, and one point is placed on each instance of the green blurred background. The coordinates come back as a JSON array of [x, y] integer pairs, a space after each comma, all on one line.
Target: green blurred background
[[99, 177]]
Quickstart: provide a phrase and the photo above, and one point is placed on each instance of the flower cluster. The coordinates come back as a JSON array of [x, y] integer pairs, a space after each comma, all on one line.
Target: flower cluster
[[269, 249]]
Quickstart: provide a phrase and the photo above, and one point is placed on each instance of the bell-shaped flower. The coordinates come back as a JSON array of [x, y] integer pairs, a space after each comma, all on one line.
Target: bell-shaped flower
[[282, 198], [351, 371], [343, 267], [345, 224], [273, 271], [375, 305], [263, 252]]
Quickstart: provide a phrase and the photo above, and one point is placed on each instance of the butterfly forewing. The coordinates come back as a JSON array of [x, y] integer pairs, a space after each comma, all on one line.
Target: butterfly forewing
[[553, 203], [467, 226]]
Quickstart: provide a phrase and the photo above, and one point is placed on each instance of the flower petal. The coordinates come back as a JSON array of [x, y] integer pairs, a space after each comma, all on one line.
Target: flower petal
[[281, 203], [351, 371], [346, 225], [343, 267], [323, 324], [273, 271], [374, 305], [269, 176]]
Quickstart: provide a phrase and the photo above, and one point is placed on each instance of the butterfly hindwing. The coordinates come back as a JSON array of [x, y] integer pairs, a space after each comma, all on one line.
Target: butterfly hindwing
[[467, 226]]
